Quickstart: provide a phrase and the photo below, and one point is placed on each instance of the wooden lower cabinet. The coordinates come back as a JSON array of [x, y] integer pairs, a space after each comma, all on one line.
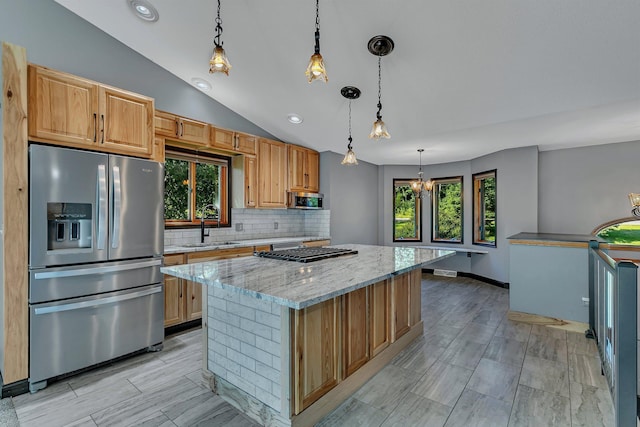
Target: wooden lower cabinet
[[316, 344], [379, 305], [332, 340], [183, 298], [174, 306], [355, 331]]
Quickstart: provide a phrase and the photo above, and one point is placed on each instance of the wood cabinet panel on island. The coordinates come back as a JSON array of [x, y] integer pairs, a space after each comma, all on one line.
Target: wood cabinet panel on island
[[179, 128], [272, 166], [303, 169], [69, 110]]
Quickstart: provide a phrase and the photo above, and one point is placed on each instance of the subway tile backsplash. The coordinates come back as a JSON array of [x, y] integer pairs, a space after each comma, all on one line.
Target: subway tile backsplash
[[248, 224]]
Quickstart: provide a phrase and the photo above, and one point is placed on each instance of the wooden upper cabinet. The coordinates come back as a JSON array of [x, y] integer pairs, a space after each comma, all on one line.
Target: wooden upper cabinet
[[246, 144], [236, 142], [250, 181], [272, 158], [126, 121], [303, 169], [62, 107], [182, 129], [77, 112]]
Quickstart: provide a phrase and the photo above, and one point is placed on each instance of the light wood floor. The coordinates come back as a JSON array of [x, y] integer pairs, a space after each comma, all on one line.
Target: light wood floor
[[472, 367]]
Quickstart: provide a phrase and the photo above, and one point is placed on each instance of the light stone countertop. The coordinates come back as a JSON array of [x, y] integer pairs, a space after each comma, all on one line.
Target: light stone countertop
[[299, 285], [178, 249]]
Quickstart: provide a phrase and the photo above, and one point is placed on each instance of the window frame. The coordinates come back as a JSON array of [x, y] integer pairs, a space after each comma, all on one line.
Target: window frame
[[417, 210], [435, 204], [195, 157], [478, 207]]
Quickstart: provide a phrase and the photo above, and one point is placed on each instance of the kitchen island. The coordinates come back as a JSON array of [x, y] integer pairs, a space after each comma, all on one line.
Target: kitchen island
[[287, 342]]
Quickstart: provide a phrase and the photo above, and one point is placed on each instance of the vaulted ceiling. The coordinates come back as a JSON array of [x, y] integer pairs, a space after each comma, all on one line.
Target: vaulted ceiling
[[466, 78]]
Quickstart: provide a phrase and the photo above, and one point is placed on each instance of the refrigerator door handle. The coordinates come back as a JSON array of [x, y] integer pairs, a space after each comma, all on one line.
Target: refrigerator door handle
[[97, 302], [117, 207], [95, 270], [102, 206]]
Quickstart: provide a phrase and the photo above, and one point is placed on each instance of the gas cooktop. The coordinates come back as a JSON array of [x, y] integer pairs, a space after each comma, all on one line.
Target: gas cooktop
[[305, 254]]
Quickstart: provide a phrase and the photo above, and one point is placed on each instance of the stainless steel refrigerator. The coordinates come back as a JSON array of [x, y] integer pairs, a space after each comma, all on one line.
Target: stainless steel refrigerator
[[96, 225]]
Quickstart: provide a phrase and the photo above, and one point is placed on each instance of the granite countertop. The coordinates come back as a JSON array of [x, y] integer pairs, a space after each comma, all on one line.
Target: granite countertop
[[555, 237], [299, 285], [177, 249]]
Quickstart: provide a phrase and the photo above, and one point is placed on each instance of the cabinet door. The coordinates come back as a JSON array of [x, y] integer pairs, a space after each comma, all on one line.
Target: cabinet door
[[193, 131], [126, 122], [173, 293], [297, 174], [166, 124], [222, 138], [379, 305], [245, 144], [272, 157], [173, 301], [313, 171], [62, 107], [250, 181], [193, 301], [400, 306], [316, 346], [355, 331]]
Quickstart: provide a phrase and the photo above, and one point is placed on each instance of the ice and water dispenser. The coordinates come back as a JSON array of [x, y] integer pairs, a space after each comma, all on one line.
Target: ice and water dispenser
[[69, 225]]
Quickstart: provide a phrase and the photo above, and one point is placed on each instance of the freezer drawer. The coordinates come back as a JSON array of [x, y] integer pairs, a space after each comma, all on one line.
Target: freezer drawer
[[77, 333], [50, 284]]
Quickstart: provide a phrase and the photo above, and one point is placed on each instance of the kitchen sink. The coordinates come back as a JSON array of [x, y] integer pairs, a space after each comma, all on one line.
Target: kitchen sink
[[207, 244]]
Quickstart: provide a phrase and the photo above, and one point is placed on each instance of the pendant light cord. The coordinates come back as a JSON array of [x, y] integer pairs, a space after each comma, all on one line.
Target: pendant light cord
[[378, 115], [350, 139], [217, 41], [317, 47]]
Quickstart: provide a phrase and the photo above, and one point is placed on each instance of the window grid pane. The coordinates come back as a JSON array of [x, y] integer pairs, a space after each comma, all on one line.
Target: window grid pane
[[447, 210], [484, 205], [176, 190], [406, 212]]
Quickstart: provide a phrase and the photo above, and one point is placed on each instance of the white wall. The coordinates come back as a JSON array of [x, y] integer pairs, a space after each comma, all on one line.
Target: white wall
[[581, 188], [351, 193]]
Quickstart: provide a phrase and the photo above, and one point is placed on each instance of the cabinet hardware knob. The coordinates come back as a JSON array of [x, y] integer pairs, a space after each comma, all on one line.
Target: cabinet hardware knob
[[95, 127], [181, 129], [102, 119]]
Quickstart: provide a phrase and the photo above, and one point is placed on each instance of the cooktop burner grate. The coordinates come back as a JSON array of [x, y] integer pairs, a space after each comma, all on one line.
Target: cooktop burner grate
[[305, 254]]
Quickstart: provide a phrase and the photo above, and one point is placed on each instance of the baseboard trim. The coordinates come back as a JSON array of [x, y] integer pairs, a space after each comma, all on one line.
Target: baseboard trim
[[14, 389], [182, 327], [487, 280]]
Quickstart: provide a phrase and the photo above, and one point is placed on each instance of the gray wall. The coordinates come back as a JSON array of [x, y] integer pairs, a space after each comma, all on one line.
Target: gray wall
[[581, 188], [1, 221], [56, 38], [351, 195]]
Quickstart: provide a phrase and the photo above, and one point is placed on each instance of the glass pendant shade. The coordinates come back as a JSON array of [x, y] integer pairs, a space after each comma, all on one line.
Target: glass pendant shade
[[219, 62], [634, 199], [379, 130], [316, 70], [349, 158]]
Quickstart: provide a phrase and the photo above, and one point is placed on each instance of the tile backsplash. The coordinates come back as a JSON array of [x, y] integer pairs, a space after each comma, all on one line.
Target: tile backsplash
[[258, 224]]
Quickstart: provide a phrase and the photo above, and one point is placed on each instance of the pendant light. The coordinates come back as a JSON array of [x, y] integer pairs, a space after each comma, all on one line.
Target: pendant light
[[380, 46], [634, 198], [419, 185], [351, 93], [219, 63], [315, 69]]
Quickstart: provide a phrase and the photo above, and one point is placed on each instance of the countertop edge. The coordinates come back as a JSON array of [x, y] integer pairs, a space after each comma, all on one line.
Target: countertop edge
[[177, 249]]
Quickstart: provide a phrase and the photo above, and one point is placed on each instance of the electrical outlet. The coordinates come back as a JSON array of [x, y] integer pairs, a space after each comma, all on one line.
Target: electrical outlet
[[239, 226], [585, 301], [275, 225]]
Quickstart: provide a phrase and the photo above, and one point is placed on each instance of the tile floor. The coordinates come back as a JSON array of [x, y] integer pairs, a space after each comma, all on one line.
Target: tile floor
[[472, 367]]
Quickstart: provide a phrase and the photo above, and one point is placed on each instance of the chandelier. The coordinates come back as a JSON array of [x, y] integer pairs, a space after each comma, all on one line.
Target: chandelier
[[420, 185]]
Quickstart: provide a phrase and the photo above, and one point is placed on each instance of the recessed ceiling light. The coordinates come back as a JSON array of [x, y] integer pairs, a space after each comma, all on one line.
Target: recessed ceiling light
[[201, 84], [295, 119], [144, 10]]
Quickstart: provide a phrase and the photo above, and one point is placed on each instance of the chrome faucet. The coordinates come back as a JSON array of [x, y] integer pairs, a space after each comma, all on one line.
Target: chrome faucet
[[202, 217]]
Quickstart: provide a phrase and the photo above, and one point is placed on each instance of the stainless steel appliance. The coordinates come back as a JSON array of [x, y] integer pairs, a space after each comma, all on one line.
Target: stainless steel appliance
[[298, 200], [96, 228], [305, 254]]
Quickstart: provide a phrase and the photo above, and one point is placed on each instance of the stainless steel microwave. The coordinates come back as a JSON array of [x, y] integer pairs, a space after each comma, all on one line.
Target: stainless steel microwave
[[304, 200]]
